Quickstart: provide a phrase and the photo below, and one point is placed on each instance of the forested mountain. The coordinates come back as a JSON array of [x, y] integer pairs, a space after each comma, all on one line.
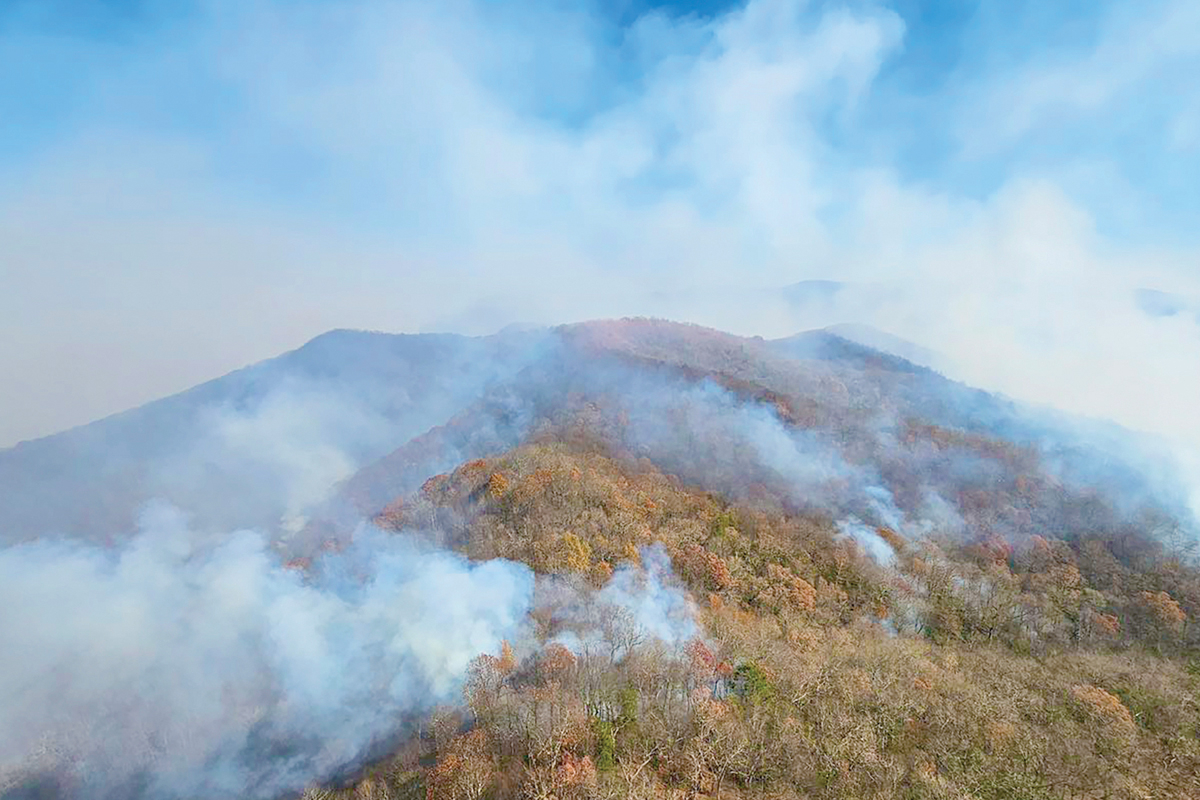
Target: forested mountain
[[615, 559], [245, 448]]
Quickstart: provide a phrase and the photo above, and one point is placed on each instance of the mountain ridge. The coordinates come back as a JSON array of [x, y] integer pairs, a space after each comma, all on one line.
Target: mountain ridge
[[358, 396], [529, 565]]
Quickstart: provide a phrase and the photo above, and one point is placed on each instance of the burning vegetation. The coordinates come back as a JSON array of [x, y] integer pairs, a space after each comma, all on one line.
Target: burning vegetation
[[653, 561], [969, 668]]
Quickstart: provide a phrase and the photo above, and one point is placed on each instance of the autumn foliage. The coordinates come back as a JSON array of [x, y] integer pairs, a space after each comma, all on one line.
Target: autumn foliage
[[1008, 663]]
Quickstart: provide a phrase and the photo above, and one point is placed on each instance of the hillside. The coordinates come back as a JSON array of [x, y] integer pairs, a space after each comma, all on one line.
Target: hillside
[[625, 558], [289, 427], [815, 421], [965, 670]]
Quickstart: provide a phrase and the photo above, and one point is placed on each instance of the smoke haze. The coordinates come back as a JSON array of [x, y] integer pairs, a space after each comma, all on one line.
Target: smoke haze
[[191, 187], [182, 665], [392, 165]]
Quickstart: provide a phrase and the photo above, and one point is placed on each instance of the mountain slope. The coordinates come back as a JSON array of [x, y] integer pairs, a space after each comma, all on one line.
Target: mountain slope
[[815, 422], [958, 670], [654, 559], [368, 417], [246, 448]]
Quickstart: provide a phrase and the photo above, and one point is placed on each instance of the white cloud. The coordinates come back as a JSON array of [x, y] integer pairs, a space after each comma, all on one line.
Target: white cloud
[[1143, 53], [412, 165]]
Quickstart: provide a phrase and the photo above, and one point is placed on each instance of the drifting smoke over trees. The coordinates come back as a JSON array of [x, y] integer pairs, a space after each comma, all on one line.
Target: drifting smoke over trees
[[974, 668], [639, 560]]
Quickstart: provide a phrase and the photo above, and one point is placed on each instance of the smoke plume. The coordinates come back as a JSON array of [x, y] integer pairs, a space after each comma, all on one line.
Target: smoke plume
[[182, 665]]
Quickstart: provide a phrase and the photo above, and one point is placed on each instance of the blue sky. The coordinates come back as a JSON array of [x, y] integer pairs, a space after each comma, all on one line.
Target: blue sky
[[189, 186], [56, 59]]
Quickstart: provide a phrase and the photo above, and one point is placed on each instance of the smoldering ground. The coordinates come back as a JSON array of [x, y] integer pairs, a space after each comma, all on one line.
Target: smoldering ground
[[198, 666], [190, 665], [188, 661]]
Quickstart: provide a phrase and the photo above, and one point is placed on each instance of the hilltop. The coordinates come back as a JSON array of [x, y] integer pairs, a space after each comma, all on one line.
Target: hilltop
[[663, 561]]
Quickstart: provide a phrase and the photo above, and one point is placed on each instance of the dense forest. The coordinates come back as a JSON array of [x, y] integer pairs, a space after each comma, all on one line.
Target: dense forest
[[622, 559], [1058, 664]]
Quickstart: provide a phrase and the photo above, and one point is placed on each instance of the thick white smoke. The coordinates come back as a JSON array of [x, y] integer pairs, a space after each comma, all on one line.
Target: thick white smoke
[[640, 603], [709, 435], [870, 541], [183, 666], [883, 510], [652, 595]]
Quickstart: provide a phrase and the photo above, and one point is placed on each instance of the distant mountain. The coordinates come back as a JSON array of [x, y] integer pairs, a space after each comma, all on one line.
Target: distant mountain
[[887, 343], [533, 520], [818, 420], [240, 449], [844, 299], [328, 434], [813, 291]]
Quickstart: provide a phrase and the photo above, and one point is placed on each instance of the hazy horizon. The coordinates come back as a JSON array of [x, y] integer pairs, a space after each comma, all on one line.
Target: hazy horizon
[[681, 550], [187, 188]]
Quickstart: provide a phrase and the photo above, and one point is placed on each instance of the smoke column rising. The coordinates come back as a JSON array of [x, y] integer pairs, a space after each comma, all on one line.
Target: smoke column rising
[[184, 666], [652, 595]]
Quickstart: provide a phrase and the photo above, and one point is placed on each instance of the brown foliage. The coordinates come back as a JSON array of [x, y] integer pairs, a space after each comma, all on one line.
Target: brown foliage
[[707, 567], [392, 517], [1164, 608], [1107, 624], [1103, 707], [991, 689], [465, 771], [497, 485]]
